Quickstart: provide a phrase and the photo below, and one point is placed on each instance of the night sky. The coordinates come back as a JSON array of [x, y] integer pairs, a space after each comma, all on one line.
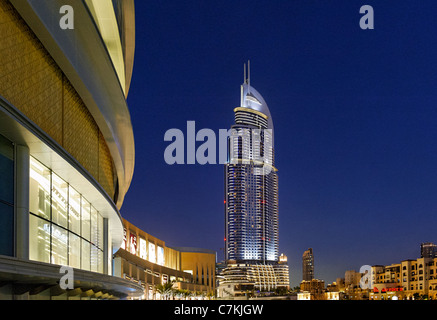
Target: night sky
[[355, 114]]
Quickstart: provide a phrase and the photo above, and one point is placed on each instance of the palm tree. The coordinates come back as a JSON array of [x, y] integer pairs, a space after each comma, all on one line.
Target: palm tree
[[210, 295], [185, 293], [165, 290]]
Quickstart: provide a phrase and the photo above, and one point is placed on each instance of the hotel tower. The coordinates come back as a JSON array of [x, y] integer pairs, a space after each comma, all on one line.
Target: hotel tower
[[251, 197]]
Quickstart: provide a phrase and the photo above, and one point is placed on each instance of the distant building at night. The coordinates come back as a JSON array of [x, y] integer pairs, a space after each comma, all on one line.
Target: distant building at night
[[411, 279], [308, 265], [315, 287], [428, 250], [251, 195]]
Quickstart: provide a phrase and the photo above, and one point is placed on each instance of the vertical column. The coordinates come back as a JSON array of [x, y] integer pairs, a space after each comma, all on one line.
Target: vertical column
[[22, 174], [107, 254], [117, 263]]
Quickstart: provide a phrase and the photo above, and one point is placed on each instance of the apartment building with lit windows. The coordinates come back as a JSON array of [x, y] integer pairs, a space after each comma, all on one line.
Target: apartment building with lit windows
[[308, 265], [405, 280]]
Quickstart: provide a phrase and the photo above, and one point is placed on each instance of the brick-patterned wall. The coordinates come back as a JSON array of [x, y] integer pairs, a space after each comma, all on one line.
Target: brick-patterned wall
[[34, 84]]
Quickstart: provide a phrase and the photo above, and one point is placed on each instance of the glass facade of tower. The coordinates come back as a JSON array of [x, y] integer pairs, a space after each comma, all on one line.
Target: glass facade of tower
[[251, 187], [252, 260]]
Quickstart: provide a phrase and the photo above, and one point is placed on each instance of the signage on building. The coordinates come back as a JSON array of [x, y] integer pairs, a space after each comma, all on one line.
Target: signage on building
[[152, 252], [384, 290], [160, 260], [133, 243], [123, 244], [143, 249]]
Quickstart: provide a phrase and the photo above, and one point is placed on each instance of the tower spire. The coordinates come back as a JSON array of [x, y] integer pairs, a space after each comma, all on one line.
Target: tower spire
[[248, 72], [247, 77]]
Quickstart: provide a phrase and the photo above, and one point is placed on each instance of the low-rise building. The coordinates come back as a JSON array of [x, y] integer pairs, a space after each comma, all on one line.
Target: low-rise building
[[146, 260], [315, 287], [410, 279]]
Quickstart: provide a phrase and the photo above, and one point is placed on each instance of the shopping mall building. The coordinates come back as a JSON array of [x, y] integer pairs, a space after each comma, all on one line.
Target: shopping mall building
[[148, 261], [67, 159], [66, 146]]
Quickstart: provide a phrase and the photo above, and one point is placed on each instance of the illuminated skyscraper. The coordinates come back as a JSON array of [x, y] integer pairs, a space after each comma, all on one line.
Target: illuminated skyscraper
[[308, 265], [428, 250], [251, 183], [251, 201]]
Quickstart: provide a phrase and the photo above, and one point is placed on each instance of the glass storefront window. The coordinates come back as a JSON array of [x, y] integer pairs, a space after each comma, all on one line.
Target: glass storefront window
[[74, 206], [6, 229], [86, 220], [6, 171], [39, 197], [74, 253], [6, 197], [59, 201], [94, 258], [39, 239], [86, 254], [94, 226], [64, 228], [100, 258], [59, 245], [100, 231]]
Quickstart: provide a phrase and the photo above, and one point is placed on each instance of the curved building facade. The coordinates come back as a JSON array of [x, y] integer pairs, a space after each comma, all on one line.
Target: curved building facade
[[66, 146]]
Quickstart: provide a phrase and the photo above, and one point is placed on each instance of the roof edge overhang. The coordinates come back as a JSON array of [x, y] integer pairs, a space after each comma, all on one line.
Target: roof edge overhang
[[33, 274]]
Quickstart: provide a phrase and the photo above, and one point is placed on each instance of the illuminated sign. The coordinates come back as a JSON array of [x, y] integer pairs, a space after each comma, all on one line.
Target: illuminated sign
[[384, 290], [133, 243], [152, 252], [160, 256], [143, 248]]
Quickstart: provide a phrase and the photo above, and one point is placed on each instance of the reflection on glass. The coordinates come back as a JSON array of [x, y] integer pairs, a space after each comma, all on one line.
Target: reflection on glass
[[94, 226], [59, 245], [94, 258], [86, 219], [73, 251], [74, 210], [59, 201], [100, 231], [39, 239], [100, 258], [86, 253], [64, 228], [39, 197]]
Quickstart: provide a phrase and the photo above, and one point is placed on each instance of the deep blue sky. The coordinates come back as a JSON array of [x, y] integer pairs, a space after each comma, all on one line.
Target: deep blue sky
[[355, 114]]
